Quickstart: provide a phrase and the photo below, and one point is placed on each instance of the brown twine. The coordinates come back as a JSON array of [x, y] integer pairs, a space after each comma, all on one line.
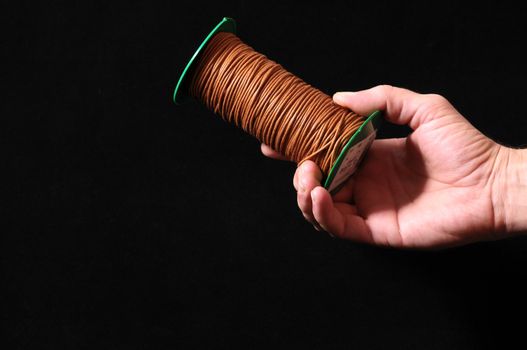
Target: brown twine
[[247, 89]]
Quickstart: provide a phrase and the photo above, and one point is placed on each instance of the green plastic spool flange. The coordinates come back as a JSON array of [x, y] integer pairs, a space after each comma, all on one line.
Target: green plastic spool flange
[[181, 95], [181, 92]]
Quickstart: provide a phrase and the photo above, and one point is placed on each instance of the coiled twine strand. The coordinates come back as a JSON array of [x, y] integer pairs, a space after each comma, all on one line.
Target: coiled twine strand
[[247, 89]]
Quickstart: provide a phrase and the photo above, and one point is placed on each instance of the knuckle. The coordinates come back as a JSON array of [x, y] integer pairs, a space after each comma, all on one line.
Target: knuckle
[[385, 88], [436, 99]]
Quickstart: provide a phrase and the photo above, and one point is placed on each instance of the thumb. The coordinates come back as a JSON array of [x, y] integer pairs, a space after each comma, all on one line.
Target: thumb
[[400, 106]]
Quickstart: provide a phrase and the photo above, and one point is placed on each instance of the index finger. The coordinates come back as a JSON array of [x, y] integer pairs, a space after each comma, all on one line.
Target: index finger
[[400, 106]]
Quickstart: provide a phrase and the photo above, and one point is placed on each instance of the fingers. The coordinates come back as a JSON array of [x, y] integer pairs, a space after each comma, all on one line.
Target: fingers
[[340, 220], [307, 177], [271, 153], [400, 106], [309, 170], [317, 206]]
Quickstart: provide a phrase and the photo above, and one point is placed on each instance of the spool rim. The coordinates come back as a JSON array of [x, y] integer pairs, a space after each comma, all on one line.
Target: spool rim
[[181, 95], [368, 126]]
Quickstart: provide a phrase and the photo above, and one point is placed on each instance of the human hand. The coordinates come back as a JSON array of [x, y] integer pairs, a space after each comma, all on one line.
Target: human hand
[[445, 184]]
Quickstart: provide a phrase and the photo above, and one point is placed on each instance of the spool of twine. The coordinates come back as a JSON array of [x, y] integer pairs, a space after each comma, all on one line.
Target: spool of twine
[[249, 90]]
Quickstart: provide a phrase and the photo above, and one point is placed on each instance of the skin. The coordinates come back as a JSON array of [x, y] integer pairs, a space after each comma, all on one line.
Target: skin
[[444, 185]]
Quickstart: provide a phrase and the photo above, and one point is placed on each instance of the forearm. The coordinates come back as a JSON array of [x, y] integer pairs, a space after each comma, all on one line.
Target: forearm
[[511, 191]]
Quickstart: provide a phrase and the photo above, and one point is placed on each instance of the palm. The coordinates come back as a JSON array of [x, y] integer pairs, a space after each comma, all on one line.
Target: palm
[[423, 190]]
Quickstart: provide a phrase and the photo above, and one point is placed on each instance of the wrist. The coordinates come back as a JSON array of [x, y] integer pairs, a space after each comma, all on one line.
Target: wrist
[[510, 191]]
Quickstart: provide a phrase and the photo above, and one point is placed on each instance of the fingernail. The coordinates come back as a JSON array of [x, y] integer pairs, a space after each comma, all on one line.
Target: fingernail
[[302, 185], [341, 94], [314, 195]]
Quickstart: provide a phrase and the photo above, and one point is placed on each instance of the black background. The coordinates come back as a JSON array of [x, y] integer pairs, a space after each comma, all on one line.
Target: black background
[[134, 223]]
